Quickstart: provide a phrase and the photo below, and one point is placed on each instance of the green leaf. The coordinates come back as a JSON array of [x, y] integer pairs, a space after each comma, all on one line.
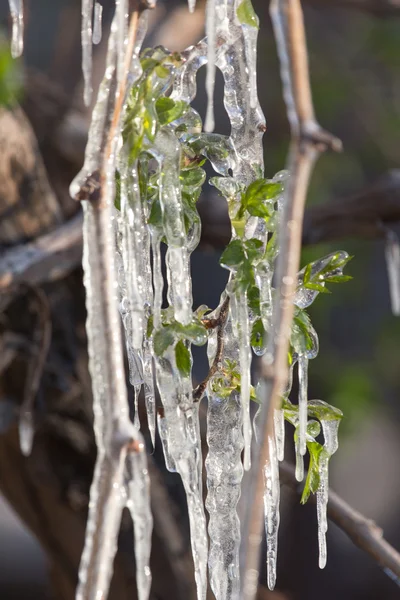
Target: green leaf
[[246, 14], [192, 178], [150, 326], [155, 218], [233, 255], [163, 338], [318, 409], [261, 190], [169, 110], [195, 332], [312, 479], [182, 357], [257, 336], [253, 299]]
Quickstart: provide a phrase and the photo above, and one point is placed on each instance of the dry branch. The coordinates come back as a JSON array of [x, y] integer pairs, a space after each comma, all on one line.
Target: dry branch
[[308, 141], [363, 532]]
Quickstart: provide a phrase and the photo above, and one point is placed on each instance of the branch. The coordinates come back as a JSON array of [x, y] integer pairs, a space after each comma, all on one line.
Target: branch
[[308, 141], [219, 324], [49, 257], [363, 532]]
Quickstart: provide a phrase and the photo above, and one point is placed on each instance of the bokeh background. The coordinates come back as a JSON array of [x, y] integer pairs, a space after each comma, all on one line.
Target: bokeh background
[[355, 73]]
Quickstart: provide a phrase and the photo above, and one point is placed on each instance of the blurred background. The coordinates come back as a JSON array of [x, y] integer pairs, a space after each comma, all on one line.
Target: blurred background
[[354, 53]]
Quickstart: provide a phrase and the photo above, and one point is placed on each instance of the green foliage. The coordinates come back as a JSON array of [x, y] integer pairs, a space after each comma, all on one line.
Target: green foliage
[[10, 76], [247, 15], [172, 332], [183, 359]]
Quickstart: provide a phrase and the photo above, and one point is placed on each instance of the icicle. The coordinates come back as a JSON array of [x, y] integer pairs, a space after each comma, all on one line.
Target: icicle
[[164, 437], [192, 5], [224, 476], [97, 22], [303, 413], [182, 449], [211, 69], [250, 33], [279, 426], [392, 252], [17, 16], [149, 395], [136, 420], [271, 507], [86, 34], [330, 431], [177, 259], [240, 321], [138, 502], [322, 503], [299, 474], [26, 432], [158, 280]]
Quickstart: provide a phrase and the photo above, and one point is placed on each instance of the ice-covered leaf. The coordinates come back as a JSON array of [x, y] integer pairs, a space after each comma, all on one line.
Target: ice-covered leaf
[[246, 14], [169, 110], [233, 255], [182, 357], [312, 480], [318, 409], [162, 339]]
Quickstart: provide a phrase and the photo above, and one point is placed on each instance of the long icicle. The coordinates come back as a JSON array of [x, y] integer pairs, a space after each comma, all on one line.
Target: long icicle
[[86, 34], [211, 54], [17, 16]]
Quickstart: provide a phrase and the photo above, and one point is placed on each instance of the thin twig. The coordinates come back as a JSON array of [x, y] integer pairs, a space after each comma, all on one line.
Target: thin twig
[[219, 324], [363, 532], [308, 140]]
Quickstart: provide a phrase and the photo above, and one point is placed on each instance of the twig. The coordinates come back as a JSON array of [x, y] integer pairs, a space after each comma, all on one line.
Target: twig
[[308, 140], [219, 324], [363, 532], [49, 257]]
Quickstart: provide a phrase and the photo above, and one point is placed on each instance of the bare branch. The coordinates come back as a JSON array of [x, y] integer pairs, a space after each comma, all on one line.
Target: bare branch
[[308, 140], [363, 532]]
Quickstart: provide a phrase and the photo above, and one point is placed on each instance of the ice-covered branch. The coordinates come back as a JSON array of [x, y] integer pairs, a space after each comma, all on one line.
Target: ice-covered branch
[[363, 532], [308, 140]]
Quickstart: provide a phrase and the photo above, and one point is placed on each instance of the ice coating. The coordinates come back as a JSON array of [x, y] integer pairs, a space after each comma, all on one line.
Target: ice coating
[[392, 252], [17, 36], [330, 431], [191, 5], [271, 508], [304, 297], [97, 23], [240, 321], [299, 472], [138, 503], [177, 259], [86, 37], [149, 394]]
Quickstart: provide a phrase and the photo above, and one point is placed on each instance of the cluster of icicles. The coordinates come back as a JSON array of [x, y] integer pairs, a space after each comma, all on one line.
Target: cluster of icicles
[[134, 266]]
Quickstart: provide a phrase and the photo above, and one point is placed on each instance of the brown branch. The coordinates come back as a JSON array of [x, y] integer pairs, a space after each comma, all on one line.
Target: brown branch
[[363, 532], [219, 324], [308, 140], [49, 257]]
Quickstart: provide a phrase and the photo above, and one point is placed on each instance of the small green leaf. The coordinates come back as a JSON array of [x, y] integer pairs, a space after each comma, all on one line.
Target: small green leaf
[[169, 110], [193, 178], [261, 190], [253, 299], [312, 480], [150, 326], [246, 14], [155, 218], [182, 357], [257, 336], [163, 338], [233, 255]]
